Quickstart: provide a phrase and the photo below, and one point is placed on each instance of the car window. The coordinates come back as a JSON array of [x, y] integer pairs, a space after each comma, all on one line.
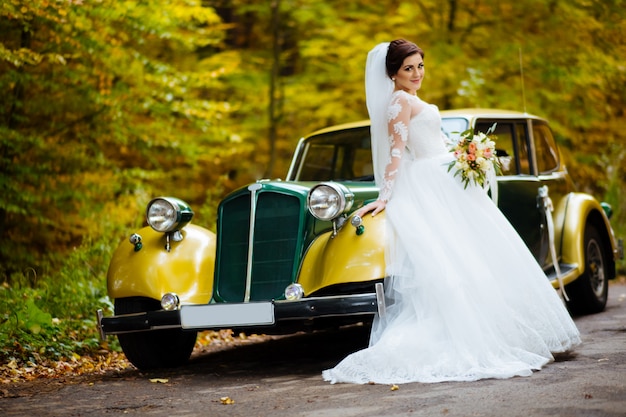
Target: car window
[[505, 146], [452, 127], [511, 141], [545, 148], [343, 155]]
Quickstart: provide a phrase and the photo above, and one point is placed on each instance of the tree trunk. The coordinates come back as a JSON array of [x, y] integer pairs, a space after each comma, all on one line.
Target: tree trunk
[[274, 80]]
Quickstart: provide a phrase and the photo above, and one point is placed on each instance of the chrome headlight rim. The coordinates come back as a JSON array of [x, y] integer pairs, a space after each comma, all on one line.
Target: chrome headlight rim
[[329, 200], [168, 214]]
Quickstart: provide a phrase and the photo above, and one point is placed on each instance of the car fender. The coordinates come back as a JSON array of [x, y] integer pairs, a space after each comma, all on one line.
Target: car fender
[[346, 256], [151, 271], [580, 210]]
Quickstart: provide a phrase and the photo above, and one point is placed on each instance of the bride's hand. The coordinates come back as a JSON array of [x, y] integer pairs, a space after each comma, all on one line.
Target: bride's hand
[[375, 207]]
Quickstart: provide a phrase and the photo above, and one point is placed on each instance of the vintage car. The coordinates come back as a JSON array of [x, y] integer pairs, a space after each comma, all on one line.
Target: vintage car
[[289, 255]]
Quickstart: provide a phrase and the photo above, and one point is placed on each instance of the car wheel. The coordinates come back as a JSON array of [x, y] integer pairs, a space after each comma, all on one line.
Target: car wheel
[[589, 293], [153, 349]]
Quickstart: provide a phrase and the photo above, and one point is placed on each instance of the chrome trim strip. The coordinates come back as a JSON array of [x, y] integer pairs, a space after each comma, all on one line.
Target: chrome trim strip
[[151, 329], [297, 158], [380, 299], [253, 188]]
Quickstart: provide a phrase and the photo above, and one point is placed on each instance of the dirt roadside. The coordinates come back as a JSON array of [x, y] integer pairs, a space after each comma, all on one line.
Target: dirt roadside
[[281, 377]]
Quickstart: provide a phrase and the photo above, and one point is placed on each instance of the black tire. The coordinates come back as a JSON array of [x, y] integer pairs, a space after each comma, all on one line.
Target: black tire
[[589, 293], [153, 349]]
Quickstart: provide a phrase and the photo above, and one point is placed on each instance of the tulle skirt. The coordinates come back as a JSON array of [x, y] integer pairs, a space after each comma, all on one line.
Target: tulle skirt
[[466, 298]]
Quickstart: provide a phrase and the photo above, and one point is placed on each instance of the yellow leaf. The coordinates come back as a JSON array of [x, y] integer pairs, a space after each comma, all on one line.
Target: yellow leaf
[[159, 380], [394, 388], [227, 400]]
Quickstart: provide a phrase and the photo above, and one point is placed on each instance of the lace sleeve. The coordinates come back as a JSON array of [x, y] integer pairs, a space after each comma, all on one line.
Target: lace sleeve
[[398, 116]]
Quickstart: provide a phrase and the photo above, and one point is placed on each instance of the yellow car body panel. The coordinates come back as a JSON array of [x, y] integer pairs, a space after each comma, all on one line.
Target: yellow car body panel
[[558, 216], [348, 257], [573, 219], [187, 269], [345, 257]]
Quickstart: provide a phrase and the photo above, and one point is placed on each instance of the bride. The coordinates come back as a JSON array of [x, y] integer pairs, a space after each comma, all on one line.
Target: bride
[[469, 301]]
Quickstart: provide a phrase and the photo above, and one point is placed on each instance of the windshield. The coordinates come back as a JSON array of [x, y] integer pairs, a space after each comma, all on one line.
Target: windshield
[[346, 155], [342, 155]]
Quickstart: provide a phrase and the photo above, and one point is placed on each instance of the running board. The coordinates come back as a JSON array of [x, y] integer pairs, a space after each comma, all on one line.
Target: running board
[[568, 271]]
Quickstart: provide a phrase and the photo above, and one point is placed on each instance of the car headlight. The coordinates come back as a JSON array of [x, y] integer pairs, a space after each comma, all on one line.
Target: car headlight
[[329, 200], [167, 214]]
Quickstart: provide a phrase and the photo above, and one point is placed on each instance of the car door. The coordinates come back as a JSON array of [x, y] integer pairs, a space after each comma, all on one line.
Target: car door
[[518, 185], [552, 174]]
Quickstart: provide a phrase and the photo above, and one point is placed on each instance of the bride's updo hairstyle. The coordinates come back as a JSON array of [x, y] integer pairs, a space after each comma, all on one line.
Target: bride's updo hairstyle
[[397, 53]]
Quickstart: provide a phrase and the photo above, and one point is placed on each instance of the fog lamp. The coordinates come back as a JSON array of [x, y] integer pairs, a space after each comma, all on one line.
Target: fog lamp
[[170, 301], [294, 292]]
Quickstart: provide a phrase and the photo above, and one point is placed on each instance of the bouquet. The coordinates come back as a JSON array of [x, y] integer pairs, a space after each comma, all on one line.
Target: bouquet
[[475, 157]]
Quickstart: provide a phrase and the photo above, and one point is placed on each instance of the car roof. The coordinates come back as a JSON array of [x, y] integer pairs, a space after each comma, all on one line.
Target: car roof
[[471, 113], [468, 113]]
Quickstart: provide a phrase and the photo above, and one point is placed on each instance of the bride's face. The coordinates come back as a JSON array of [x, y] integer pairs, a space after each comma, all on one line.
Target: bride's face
[[410, 75]]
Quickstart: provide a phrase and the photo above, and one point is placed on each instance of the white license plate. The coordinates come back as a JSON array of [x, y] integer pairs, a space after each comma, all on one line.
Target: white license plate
[[226, 315]]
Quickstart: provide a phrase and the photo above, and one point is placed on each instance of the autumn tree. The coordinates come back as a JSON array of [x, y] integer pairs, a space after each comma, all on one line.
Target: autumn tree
[[109, 103], [557, 59], [104, 102]]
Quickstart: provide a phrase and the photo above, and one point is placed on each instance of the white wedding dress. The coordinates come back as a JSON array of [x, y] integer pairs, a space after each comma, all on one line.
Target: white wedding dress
[[466, 298]]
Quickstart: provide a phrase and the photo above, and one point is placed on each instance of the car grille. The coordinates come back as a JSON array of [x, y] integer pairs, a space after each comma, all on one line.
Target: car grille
[[275, 246]]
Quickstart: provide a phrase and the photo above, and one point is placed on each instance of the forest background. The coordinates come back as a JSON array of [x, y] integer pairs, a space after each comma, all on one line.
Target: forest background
[[107, 103]]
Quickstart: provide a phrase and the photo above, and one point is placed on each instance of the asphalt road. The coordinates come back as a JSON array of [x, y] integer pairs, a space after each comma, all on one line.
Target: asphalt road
[[281, 377]]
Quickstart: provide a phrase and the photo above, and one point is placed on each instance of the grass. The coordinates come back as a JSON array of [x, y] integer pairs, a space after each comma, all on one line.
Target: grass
[[53, 317]]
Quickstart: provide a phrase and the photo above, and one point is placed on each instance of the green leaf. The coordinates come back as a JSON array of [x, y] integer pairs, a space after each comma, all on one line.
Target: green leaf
[[34, 318]]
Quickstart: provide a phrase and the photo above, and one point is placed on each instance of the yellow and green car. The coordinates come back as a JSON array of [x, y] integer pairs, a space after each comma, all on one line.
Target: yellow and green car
[[289, 255]]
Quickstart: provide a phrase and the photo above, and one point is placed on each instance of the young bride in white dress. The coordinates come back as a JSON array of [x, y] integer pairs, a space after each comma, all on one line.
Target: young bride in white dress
[[469, 299]]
